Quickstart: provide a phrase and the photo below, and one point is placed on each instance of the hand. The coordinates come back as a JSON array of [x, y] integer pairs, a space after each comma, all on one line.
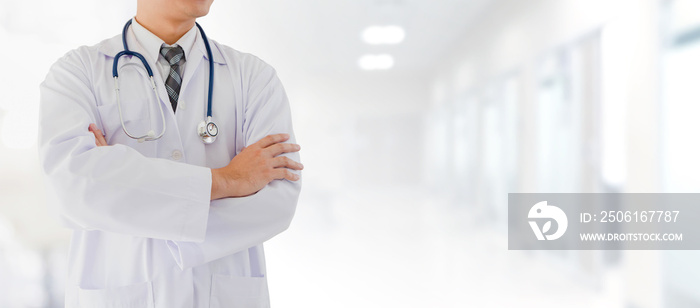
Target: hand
[[99, 137], [254, 167]]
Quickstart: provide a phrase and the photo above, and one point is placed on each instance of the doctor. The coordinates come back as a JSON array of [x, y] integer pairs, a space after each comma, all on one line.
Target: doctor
[[170, 214]]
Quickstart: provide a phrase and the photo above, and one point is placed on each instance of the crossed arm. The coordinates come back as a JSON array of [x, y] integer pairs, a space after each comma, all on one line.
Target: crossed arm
[[254, 167]]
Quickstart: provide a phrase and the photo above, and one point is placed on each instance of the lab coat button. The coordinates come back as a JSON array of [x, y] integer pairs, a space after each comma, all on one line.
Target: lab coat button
[[177, 155]]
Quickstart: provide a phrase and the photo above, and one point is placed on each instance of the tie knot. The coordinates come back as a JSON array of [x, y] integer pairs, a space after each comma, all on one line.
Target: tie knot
[[174, 55]]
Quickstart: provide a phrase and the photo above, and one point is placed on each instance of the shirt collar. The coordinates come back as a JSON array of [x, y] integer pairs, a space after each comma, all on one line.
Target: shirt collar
[[152, 43], [110, 47]]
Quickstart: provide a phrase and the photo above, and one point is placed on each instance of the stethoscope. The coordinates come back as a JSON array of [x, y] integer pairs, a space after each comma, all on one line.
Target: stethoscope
[[206, 129]]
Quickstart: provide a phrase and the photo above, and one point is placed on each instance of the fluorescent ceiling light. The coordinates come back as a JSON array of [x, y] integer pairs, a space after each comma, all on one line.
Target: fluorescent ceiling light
[[378, 35], [376, 62]]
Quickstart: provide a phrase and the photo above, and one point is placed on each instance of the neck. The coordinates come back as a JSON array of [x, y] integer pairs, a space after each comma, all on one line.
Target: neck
[[170, 30]]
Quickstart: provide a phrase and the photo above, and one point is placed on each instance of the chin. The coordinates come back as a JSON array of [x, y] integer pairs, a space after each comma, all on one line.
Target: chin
[[196, 8], [198, 14], [200, 8]]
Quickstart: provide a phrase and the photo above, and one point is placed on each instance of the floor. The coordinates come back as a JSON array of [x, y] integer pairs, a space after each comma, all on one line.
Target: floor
[[407, 248]]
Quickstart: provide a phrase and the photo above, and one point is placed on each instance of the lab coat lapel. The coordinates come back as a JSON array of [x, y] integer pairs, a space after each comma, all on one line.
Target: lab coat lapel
[[191, 66], [198, 60], [163, 94]]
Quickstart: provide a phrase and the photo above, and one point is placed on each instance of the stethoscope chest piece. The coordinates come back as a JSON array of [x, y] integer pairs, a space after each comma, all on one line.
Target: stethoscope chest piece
[[208, 130]]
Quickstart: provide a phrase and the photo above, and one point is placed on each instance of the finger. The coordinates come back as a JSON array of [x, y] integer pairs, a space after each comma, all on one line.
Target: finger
[[99, 137], [282, 173], [279, 148], [286, 162], [272, 139]]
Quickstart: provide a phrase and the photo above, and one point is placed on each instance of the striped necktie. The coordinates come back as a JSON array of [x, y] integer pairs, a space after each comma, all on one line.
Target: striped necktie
[[175, 57]]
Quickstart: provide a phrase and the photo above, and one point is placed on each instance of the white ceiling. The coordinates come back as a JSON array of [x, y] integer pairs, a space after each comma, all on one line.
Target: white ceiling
[[325, 35]]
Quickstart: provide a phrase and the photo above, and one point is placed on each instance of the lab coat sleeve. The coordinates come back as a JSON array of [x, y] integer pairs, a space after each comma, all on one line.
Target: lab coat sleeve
[[112, 188], [236, 224]]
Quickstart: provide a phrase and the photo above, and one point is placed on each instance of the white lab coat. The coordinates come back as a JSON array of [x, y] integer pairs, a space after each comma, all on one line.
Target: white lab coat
[[145, 231]]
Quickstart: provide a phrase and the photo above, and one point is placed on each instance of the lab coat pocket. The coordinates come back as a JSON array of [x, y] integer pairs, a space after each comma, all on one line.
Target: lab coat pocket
[[138, 295], [239, 292], [136, 120]]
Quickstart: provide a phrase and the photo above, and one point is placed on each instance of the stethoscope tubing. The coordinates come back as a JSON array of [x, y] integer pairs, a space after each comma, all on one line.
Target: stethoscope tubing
[[115, 74]]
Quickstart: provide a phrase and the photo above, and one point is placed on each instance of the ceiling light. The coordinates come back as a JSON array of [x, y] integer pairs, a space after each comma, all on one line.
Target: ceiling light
[[377, 35], [376, 62]]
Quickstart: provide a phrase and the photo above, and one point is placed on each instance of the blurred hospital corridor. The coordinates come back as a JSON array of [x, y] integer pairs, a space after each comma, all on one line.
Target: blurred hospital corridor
[[416, 118], [431, 255]]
